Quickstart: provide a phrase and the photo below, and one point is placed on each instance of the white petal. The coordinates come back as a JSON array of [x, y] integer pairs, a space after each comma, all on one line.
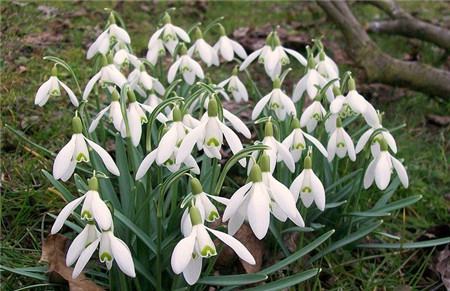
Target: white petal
[[390, 140], [285, 156], [250, 59], [120, 33], [258, 211], [238, 49], [233, 141], [226, 49], [318, 192], [260, 106], [370, 174], [146, 164], [331, 147], [296, 55], [182, 254], [72, 96], [235, 201], [181, 34], [167, 145], [191, 163], [316, 143], [97, 118], [237, 123], [106, 158], [188, 143], [90, 85], [383, 171], [101, 212], [363, 140], [77, 246], [297, 185], [173, 71], [62, 160], [349, 145], [64, 214], [283, 197], [236, 245], [122, 255], [401, 171], [193, 270], [84, 258], [43, 93]]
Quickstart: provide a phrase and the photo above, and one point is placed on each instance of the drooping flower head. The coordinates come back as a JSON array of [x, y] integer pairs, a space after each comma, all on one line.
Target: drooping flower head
[[51, 88], [115, 113], [202, 49], [227, 47], [235, 87], [340, 143], [186, 66]]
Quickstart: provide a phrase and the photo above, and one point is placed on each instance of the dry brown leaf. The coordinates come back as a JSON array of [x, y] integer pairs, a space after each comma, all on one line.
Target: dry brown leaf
[[443, 266], [254, 245], [439, 119], [53, 253]]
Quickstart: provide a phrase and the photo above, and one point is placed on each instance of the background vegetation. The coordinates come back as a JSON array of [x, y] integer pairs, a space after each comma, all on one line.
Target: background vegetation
[[30, 30]]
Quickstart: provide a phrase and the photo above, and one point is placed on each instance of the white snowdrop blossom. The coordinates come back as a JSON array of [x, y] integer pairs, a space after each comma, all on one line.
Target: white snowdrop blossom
[[166, 152], [327, 67], [209, 136], [188, 254], [76, 151], [309, 187], [186, 66], [102, 43], [227, 47], [201, 48], [340, 143], [123, 57], [360, 105], [51, 88], [276, 151], [94, 209], [108, 74], [136, 117], [140, 81], [152, 100], [278, 101], [88, 235], [115, 113], [273, 56], [235, 87], [310, 83], [381, 168], [375, 148], [312, 115], [167, 36], [296, 142], [111, 249]]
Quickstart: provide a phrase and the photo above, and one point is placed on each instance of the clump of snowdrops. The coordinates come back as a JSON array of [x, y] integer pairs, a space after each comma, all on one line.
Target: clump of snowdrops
[[186, 173]]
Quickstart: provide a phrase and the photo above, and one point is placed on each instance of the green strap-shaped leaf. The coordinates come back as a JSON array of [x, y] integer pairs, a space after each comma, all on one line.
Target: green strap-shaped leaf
[[409, 245], [362, 232], [136, 230], [230, 280], [287, 282], [59, 186]]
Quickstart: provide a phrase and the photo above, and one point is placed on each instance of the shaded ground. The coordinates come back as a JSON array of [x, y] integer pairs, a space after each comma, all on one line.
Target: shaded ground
[[30, 31]]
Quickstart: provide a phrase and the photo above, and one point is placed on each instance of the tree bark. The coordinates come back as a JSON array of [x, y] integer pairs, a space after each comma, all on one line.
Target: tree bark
[[380, 67], [405, 24]]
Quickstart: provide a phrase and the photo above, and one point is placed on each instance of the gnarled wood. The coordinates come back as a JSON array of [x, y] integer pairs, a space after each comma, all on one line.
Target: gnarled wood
[[379, 66]]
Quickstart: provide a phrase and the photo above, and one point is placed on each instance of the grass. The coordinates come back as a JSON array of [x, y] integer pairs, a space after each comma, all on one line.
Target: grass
[[31, 30]]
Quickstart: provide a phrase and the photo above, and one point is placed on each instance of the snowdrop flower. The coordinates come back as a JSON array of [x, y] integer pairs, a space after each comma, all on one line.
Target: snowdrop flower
[[108, 74], [227, 47], [201, 48], [152, 99], [381, 168], [276, 151], [167, 36], [140, 81], [296, 143], [51, 88], [88, 235], [273, 56], [209, 136], [278, 101], [360, 105], [102, 43], [340, 143], [166, 152], [308, 185], [186, 66], [312, 115], [115, 113], [94, 209], [188, 254], [235, 87], [136, 117], [382, 134], [111, 249], [327, 67], [310, 83], [202, 201], [76, 151], [123, 57]]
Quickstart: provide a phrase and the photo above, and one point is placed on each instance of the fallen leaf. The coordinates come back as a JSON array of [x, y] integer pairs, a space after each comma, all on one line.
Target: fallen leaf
[[441, 120], [53, 253], [443, 266], [254, 245]]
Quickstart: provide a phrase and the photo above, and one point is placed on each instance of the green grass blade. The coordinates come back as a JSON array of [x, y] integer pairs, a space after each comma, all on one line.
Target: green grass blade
[[410, 245], [287, 282], [59, 186], [19, 271], [229, 280], [136, 230]]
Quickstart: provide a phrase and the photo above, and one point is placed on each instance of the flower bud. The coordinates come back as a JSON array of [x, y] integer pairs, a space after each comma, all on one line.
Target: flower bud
[[166, 18], [131, 96], [104, 61], [77, 125], [198, 33], [255, 174], [351, 84], [235, 71], [307, 163], [182, 50], [268, 128], [54, 71], [222, 30], [115, 95], [336, 91], [322, 56], [196, 186], [338, 122], [276, 83], [177, 116], [295, 123], [383, 144]]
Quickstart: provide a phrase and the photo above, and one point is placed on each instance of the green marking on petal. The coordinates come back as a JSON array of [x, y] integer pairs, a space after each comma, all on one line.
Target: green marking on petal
[[86, 215], [169, 162], [213, 215], [82, 158], [341, 145], [299, 146], [105, 256], [208, 251], [306, 189], [55, 92], [213, 142]]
